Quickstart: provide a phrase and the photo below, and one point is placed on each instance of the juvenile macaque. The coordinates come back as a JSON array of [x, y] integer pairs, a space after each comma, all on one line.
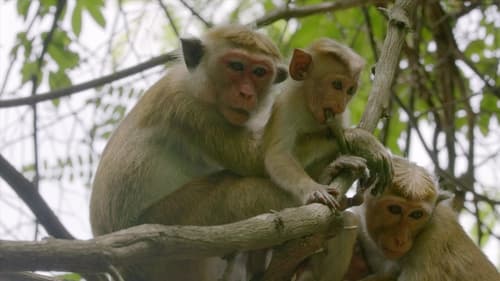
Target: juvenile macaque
[[325, 78], [410, 234]]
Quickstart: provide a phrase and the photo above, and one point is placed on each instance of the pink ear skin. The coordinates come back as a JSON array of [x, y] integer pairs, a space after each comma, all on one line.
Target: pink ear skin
[[299, 66]]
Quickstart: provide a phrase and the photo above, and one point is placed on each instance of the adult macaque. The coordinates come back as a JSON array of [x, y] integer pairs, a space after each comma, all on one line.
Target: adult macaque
[[325, 78], [410, 234], [189, 124]]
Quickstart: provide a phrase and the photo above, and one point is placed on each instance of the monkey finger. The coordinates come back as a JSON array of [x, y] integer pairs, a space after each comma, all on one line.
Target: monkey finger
[[332, 191], [324, 198]]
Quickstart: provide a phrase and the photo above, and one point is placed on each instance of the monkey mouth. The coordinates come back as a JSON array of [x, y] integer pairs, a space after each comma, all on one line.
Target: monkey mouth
[[236, 116], [392, 254], [329, 115]]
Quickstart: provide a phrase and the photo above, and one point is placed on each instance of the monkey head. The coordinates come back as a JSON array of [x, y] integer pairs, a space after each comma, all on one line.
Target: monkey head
[[394, 222], [330, 73], [395, 218], [237, 66]]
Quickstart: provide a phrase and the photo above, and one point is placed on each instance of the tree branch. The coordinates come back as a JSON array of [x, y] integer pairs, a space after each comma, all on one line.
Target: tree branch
[[286, 12], [159, 60], [27, 191], [145, 242]]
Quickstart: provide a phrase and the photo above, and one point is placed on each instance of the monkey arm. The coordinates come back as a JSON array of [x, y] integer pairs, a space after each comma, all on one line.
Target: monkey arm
[[287, 172], [362, 143]]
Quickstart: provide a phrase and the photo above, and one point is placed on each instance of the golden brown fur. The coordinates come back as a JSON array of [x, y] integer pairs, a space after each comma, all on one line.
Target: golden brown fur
[[443, 251], [190, 124], [439, 248]]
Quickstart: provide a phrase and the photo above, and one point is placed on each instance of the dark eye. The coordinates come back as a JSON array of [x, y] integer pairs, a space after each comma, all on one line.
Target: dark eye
[[394, 209], [236, 65], [416, 215], [351, 91], [337, 84], [260, 71]]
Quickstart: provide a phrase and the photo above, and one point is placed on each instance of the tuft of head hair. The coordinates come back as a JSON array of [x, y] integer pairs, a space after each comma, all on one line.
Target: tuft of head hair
[[352, 60], [244, 37], [412, 181]]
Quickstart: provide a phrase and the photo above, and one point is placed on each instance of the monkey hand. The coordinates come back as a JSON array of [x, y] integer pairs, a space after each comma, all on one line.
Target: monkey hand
[[354, 164], [324, 195], [364, 144]]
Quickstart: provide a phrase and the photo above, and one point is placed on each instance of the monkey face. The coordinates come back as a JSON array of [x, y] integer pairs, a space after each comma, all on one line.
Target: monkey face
[[394, 222], [332, 93], [328, 82], [244, 81]]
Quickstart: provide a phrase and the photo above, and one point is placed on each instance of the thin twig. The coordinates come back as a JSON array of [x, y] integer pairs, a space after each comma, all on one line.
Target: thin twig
[[159, 60]]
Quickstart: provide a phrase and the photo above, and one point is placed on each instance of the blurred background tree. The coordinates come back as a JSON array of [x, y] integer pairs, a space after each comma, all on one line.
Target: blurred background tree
[[444, 112]]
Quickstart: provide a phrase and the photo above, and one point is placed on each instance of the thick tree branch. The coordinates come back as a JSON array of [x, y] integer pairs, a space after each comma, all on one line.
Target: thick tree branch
[[159, 60], [378, 100], [142, 243], [400, 21]]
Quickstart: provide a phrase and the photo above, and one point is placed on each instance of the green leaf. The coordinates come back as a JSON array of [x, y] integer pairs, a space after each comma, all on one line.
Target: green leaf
[[58, 80], [488, 109], [95, 7], [23, 7], [59, 51], [76, 20], [46, 5], [29, 70]]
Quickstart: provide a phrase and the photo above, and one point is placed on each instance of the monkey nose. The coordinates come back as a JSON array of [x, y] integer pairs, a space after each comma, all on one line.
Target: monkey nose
[[246, 95]]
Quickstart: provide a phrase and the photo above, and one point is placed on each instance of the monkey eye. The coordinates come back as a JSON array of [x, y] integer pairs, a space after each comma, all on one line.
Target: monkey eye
[[416, 215], [351, 91], [337, 84], [236, 65], [394, 209], [260, 71]]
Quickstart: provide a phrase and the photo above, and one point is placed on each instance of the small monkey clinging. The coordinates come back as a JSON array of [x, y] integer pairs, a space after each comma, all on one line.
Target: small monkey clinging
[[297, 138]]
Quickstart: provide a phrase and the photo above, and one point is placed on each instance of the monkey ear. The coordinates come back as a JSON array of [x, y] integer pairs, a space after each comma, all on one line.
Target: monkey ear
[[192, 50], [444, 195], [300, 64], [281, 74]]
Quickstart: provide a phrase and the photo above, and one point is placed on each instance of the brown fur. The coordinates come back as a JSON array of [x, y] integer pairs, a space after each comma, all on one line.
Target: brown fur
[[176, 133], [296, 137], [441, 250]]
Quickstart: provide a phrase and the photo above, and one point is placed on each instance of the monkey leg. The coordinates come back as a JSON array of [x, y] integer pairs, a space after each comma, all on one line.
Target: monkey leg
[[216, 199]]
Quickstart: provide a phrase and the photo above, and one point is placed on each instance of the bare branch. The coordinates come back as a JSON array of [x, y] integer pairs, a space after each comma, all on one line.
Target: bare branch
[[400, 22], [159, 60], [196, 14], [286, 12], [27, 191]]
